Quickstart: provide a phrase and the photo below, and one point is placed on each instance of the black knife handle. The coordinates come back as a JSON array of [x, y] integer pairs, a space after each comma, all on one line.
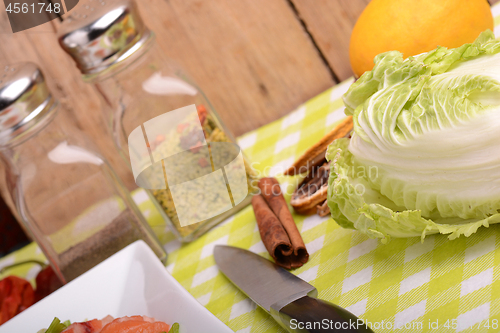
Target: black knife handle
[[312, 315]]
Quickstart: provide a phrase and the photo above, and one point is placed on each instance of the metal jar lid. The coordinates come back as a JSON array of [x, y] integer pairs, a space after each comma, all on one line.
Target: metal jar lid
[[101, 33], [25, 100]]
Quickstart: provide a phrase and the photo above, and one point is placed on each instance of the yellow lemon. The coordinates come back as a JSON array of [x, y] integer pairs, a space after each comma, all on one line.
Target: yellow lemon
[[415, 26]]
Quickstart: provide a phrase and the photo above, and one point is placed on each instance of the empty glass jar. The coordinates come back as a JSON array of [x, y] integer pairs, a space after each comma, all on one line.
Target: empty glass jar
[[161, 121], [67, 196]]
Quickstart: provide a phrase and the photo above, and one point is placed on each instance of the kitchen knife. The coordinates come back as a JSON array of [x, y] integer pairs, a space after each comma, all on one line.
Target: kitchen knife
[[290, 300]]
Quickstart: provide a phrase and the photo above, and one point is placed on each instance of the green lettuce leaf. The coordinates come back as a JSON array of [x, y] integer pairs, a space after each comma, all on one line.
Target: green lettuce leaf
[[56, 326], [390, 67], [175, 328], [355, 205], [424, 152]]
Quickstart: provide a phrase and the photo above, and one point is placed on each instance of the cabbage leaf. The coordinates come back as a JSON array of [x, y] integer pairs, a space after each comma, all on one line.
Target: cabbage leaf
[[424, 157]]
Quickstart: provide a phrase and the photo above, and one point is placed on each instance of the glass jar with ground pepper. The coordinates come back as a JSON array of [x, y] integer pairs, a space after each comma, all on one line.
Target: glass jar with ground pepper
[[67, 195], [161, 122]]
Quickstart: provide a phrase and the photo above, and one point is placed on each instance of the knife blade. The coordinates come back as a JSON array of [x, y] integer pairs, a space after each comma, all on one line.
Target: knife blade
[[290, 300]]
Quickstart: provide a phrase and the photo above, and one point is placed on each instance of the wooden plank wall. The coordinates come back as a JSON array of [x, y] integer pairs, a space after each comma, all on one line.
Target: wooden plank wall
[[330, 23], [255, 59]]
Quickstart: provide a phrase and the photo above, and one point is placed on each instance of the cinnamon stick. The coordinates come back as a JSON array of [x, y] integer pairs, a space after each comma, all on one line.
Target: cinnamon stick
[[271, 230], [270, 210]]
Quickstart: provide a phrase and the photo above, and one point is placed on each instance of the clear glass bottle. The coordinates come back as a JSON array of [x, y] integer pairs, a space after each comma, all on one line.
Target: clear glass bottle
[[67, 196], [144, 89]]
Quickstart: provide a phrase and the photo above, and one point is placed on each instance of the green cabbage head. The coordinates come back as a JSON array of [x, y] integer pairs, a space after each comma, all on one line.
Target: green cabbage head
[[424, 157]]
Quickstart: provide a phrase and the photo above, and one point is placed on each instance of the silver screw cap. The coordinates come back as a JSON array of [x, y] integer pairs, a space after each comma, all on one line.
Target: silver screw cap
[[101, 33], [25, 100]]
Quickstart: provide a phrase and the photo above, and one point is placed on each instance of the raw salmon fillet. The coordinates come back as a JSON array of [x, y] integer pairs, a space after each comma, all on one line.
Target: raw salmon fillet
[[134, 324], [92, 326]]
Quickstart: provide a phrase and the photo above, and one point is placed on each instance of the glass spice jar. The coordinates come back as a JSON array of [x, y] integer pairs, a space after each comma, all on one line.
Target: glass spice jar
[[68, 197], [148, 97]]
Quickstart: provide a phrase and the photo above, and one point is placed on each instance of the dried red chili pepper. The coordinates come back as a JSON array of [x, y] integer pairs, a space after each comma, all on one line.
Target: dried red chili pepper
[[202, 113], [46, 283], [196, 148], [181, 127], [16, 295], [202, 161], [160, 138]]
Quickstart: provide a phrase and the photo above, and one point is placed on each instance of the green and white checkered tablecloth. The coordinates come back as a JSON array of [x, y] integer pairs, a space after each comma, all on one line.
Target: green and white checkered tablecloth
[[436, 286]]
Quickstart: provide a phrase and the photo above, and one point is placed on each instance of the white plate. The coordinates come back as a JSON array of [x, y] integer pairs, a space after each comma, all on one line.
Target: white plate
[[131, 282]]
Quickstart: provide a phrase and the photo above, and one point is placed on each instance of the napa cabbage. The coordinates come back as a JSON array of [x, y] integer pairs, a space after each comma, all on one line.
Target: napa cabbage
[[424, 156]]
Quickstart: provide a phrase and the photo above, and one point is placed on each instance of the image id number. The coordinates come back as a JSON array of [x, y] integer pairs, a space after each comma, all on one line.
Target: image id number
[[25, 8], [453, 324]]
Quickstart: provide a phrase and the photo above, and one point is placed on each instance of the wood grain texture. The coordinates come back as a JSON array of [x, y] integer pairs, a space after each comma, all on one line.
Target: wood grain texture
[[252, 58], [330, 24]]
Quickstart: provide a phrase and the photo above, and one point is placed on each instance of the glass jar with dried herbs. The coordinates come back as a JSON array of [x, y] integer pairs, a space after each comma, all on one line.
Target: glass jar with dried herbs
[[149, 100]]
